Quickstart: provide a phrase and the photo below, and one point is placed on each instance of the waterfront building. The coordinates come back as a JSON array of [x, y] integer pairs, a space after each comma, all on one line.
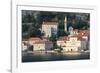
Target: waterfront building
[[40, 44], [24, 44], [77, 42]]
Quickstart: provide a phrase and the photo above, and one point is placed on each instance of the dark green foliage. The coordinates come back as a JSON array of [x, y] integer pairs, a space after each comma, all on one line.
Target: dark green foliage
[[53, 38], [59, 48], [37, 18], [25, 28], [81, 25]]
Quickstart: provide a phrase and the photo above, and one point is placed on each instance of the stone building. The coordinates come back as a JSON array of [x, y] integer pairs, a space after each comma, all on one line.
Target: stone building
[[76, 42], [49, 28], [40, 44]]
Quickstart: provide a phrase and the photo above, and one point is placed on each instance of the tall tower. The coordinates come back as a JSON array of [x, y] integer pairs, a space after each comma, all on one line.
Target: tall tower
[[65, 24]]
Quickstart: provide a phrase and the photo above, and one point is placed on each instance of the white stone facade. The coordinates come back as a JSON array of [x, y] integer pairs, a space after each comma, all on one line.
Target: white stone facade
[[70, 44], [24, 46], [39, 46], [49, 27], [42, 45]]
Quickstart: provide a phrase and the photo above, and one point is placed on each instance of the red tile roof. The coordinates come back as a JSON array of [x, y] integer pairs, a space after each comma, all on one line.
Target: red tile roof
[[79, 36], [34, 39]]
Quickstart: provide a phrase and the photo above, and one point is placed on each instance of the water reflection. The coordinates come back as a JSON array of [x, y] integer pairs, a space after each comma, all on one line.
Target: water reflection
[[32, 57]]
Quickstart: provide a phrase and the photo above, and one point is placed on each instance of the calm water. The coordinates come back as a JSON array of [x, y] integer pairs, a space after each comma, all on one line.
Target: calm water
[[30, 57]]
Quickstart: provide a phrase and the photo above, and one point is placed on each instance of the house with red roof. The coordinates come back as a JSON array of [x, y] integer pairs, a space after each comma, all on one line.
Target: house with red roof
[[77, 42]]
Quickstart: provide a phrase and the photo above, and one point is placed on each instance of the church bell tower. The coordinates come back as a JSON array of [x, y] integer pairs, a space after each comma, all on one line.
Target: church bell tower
[[65, 24]]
